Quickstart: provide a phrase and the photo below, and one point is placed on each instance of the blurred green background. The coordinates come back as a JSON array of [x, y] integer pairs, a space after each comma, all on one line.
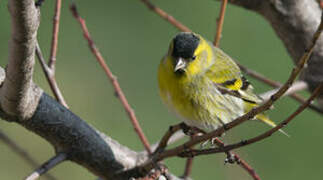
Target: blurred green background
[[132, 39]]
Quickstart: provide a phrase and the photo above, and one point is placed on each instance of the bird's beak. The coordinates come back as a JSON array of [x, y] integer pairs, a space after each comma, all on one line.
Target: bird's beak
[[180, 64]]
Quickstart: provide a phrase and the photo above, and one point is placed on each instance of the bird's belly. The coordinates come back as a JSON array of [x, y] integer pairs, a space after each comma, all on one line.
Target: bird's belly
[[204, 109]]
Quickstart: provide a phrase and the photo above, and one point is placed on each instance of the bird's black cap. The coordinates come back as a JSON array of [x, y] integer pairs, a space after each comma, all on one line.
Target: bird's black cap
[[185, 44]]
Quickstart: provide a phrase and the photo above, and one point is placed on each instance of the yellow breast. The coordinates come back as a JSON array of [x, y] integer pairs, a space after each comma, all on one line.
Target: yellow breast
[[172, 91]]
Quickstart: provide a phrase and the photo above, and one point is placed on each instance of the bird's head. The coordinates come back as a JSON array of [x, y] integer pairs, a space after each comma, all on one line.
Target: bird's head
[[189, 53]]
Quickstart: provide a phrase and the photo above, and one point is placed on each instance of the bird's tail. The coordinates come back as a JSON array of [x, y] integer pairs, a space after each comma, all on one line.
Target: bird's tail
[[263, 118]]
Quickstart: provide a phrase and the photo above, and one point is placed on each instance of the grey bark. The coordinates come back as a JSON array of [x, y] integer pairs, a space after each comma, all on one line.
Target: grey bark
[[18, 95]]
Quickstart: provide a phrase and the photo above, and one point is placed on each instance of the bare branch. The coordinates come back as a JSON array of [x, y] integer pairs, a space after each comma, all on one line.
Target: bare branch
[[112, 78], [17, 95], [273, 83], [174, 138], [85, 146], [188, 168], [53, 52], [188, 165], [21, 153], [164, 141], [233, 157], [246, 167], [166, 16], [297, 86], [49, 70], [57, 159], [220, 21], [50, 76]]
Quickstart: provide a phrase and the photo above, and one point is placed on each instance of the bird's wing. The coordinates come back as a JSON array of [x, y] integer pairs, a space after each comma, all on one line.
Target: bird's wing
[[226, 76]]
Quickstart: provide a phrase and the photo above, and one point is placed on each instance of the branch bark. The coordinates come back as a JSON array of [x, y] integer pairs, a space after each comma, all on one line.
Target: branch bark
[[83, 144], [18, 96]]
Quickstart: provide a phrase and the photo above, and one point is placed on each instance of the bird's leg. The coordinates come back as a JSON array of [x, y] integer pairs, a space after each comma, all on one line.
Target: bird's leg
[[191, 131], [187, 130]]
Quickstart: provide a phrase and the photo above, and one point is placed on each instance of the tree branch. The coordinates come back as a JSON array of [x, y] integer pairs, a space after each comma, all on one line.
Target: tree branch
[[22, 153], [166, 16], [53, 51], [220, 21], [83, 144], [18, 97], [297, 86], [50, 76], [57, 159]]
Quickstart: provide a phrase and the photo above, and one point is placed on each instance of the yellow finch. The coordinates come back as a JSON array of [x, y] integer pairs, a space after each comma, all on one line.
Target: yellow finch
[[203, 85]]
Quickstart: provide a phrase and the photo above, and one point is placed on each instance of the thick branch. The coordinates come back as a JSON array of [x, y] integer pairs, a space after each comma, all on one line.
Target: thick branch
[[82, 143], [68, 133], [18, 97]]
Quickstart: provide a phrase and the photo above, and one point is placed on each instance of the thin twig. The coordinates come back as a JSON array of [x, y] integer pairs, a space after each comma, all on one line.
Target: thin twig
[[174, 138], [297, 86], [276, 84], [112, 78], [53, 52], [264, 135], [220, 21], [21, 153], [57, 159], [18, 150], [188, 168], [246, 167], [49, 70], [234, 157], [50, 77], [259, 76], [166, 16], [164, 141]]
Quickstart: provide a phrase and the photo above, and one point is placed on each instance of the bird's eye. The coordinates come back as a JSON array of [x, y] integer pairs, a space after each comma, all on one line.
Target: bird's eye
[[193, 58]]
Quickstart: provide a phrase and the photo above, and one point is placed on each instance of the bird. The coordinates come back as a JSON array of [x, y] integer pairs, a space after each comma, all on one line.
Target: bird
[[203, 86]]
